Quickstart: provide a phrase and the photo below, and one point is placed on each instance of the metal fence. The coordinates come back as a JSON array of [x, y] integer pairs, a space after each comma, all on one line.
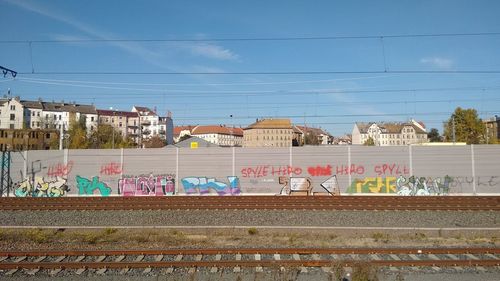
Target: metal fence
[[402, 170]]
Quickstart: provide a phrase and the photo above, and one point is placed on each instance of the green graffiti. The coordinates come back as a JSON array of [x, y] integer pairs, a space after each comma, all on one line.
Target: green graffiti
[[87, 187]]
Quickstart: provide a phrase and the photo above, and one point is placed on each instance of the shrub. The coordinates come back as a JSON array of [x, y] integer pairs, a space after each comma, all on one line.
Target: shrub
[[252, 231]]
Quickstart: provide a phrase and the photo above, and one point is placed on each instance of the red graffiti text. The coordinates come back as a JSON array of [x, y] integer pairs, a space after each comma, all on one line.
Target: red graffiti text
[[320, 171], [391, 169], [267, 170], [60, 170], [111, 169], [352, 170]]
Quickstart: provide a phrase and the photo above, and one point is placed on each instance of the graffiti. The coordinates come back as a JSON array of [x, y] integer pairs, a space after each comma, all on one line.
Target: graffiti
[[60, 170], [147, 185], [415, 186], [460, 182], [490, 182], [39, 187], [350, 170], [391, 169], [331, 186], [291, 185], [202, 185], [88, 187], [320, 171], [267, 170], [111, 169], [373, 185]]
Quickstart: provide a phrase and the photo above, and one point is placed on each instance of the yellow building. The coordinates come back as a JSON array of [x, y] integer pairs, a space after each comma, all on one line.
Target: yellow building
[[28, 139], [268, 133]]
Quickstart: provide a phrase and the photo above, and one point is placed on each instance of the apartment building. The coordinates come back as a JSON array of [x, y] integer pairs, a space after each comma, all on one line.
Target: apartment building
[[492, 128], [11, 113], [390, 133], [28, 139], [148, 121], [166, 129], [219, 135], [57, 115], [126, 122], [322, 137], [268, 133]]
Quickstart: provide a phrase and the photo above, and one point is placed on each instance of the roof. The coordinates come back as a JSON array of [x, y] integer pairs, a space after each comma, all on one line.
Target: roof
[[317, 131], [68, 107], [271, 124], [363, 127], [179, 129], [32, 104], [201, 142], [220, 129], [389, 127], [105, 112], [144, 111]]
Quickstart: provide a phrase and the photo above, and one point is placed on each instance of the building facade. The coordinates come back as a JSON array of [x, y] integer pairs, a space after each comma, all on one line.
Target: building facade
[[28, 139], [11, 113], [149, 122], [389, 134], [126, 122], [268, 133], [219, 135], [322, 137], [492, 128]]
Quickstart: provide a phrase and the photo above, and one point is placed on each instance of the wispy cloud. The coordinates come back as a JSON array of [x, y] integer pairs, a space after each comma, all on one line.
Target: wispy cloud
[[131, 47], [212, 51], [438, 62]]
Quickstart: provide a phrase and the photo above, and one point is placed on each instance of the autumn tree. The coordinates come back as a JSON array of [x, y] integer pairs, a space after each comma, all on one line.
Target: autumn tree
[[369, 142], [434, 136], [105, 136], [155, 142], [469, 127], [77, 134], [311, 138]]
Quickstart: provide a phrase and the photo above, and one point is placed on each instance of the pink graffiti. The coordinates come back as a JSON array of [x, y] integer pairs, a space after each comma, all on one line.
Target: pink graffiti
[[320, 171], [111, 169], [152, 185], [60, 170]]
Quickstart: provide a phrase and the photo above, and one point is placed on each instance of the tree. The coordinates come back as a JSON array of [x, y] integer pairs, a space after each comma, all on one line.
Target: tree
[[77, 134], [434, 136], [184, 137], [369, 142], [469, 127], [105, 136], [311, 138], [155, 142]]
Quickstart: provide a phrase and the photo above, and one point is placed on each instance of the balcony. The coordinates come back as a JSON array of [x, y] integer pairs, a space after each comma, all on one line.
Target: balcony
[[145, 122]]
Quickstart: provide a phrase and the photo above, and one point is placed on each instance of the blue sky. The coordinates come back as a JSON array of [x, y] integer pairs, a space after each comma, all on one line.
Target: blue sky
[[333, 101]]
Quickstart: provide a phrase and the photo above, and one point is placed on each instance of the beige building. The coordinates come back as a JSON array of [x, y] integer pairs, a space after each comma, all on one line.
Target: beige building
[[124, 121], [268, 133], [11, 113], [389, 134], [216, 134]]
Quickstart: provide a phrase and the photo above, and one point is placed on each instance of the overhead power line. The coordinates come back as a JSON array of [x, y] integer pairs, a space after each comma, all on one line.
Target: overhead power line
[[320, 72], [291, 38]]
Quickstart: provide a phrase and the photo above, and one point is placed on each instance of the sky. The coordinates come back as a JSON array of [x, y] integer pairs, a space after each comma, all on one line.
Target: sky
[[324, 64]]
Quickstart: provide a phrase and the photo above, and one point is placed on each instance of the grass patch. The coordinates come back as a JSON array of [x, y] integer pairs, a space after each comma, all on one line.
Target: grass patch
[[39, 236], [364, 271], [379, 236], [253, 231]]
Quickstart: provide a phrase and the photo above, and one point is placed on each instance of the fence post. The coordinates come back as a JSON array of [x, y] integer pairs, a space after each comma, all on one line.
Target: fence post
[[411, 159], [349, 165], [176, 188], [473, 169]]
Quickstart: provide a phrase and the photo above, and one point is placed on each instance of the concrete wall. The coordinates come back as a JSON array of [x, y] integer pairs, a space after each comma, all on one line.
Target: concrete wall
[[403, 170]]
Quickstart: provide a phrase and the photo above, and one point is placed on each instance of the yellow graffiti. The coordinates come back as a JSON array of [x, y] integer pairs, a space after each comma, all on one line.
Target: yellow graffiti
[[376, 185]]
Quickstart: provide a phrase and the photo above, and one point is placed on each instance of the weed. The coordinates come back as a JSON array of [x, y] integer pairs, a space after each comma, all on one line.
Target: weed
[[38, 235], [363, 271], [378, 236], [252, 231], [440, 232], [338, 271], [420, 236], [110, 231], [333, 236], [91, 238]]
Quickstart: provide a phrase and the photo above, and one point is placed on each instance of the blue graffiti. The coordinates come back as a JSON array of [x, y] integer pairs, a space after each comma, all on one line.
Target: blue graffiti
[[193, 185]]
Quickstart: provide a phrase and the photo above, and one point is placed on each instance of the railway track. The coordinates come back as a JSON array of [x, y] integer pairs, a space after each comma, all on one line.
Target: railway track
[[452, 203], [213, 260]]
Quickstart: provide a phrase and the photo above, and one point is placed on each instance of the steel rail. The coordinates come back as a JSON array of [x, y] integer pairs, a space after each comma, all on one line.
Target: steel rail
[[284, 251], [242, 263]]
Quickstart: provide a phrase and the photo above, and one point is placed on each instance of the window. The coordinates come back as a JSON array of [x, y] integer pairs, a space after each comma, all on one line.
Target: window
[[60, 117], [38, 114], [12, 117], [11, 126], [12, 107], [32, 123], [92, 118], [120, 125], [38, 124]]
